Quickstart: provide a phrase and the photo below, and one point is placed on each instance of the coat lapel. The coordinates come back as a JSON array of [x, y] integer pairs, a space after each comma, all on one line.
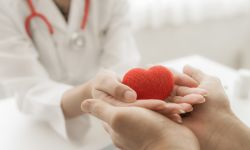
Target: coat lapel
[[49, 9], [76, 15]]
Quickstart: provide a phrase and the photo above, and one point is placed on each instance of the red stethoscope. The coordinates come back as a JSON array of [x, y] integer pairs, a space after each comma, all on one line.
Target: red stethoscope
[[77, 40]]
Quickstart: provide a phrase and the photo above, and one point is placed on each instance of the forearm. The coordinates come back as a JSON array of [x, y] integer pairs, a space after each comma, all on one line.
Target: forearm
[[178, 146], [72, 99], [236, 135], [186, 140]]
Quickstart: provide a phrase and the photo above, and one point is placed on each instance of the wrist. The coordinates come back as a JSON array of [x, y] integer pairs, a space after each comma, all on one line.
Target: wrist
[[185, 140], [72, 99], [233, 134]]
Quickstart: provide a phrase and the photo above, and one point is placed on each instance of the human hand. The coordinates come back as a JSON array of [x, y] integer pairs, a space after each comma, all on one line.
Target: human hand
[[213, 122], [107, 86], [185, 94], [104, 83], [107, 83], [134, 128]]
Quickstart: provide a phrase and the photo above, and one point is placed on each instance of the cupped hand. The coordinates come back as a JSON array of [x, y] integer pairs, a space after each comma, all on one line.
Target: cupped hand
[[108, 86], [134, 128], [213, 122], [107, 83]]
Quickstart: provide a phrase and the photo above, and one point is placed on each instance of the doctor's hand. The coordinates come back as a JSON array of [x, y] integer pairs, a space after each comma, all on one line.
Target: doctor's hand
[[105, 83], [108, 87], [134, 128], [213, 122], [185, 94]]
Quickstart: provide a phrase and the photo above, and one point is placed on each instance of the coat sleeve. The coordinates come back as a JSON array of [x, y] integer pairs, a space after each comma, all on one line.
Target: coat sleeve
[[119, 49], [22, 75]]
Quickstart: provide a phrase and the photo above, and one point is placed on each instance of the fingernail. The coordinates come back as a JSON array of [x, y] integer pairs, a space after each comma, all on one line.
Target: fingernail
[[129, 95], [86, 106], [191, 109], [203, 100], [187, 107], [205, 95], [182, 111]]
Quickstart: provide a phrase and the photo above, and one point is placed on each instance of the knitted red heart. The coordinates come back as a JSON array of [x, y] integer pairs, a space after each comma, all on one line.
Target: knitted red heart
[[155, 83]]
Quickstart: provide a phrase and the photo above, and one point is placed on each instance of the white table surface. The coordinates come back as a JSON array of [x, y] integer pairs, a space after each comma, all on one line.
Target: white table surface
[[18, 132]]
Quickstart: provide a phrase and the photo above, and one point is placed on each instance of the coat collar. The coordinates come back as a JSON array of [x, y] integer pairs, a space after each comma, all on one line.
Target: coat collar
[[53, 14]]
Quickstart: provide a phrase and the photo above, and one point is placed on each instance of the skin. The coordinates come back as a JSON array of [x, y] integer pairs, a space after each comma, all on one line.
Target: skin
[[213, 122], [64, 6], [210, 130], [108, 87], [134, 128]]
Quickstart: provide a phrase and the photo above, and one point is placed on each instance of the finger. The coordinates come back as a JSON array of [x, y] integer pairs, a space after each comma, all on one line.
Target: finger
[[99, 94], [181, 109], [108, 129], [155, 105], [182, 91], [184, 80], [111, 100], [190, 99], [176, 118], [163, 107], [99, 109], [194, 73], [109, 83], [118, 90], [108, 99], [158, 105]]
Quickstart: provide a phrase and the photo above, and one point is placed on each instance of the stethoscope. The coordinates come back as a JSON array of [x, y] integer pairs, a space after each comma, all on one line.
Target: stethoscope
[[77, 40]]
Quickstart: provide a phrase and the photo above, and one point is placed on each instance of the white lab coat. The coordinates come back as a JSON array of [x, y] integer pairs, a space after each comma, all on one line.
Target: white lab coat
[[39, 70]]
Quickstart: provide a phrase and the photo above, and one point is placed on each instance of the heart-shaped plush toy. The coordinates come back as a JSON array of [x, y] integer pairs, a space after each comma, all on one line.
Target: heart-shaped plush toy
[[155, 83]]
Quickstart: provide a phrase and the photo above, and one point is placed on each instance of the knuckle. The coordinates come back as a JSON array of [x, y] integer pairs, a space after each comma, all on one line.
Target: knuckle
[[119, 91], [96, 107], [215, 79], [100, 82], [118, 120], [161, 105]]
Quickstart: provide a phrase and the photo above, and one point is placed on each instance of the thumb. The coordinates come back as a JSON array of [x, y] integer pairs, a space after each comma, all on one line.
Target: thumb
[[109, 83], [118, 90], [99, 109]]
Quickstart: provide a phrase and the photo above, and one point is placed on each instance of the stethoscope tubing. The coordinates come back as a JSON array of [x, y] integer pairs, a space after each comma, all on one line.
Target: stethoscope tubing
[[35, 14]]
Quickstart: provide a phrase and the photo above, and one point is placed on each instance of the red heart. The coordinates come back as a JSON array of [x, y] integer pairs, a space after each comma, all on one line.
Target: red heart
[[155, 83]]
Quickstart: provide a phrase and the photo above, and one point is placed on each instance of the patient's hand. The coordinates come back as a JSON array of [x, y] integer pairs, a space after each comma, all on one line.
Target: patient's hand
[[184, 95], [134, 128], [213, 122]]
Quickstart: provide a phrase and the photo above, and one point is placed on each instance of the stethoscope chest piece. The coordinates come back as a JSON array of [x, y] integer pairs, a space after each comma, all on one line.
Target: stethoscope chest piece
[[78, 41]]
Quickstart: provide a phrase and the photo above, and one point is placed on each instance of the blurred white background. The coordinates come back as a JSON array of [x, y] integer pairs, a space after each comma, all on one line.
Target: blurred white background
[[216, 29]]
